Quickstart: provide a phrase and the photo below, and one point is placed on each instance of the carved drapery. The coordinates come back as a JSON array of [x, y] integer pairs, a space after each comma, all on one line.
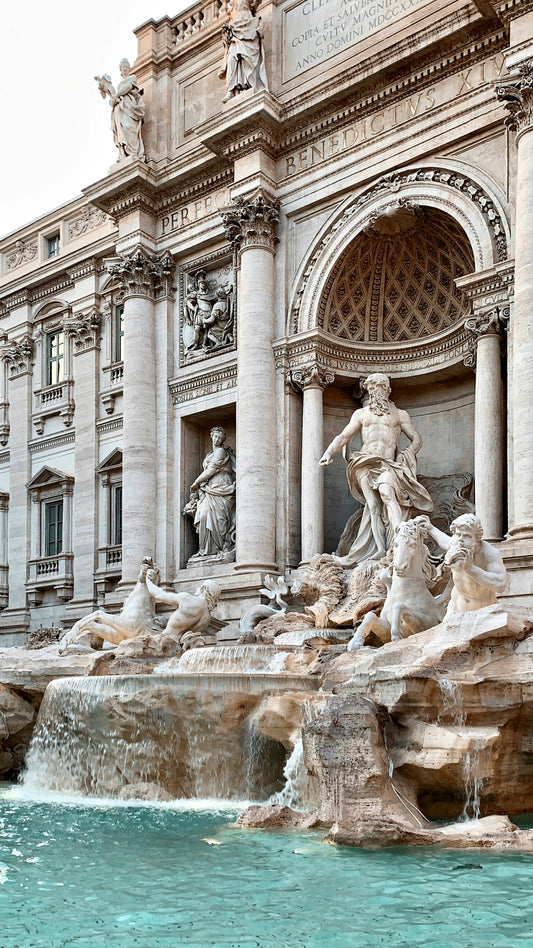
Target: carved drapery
[[143, 274], [252, 221]]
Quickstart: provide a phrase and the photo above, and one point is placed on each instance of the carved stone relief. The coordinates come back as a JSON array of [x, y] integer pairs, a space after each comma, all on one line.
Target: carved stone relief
[[89, 218], [207, 311], [24, 252]]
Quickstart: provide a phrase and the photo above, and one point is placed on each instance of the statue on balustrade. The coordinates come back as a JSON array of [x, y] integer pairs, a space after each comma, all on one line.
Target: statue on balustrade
[[212, 502], [477, 568], [127, 111], [208, 315], [381, 477], [243, 66]]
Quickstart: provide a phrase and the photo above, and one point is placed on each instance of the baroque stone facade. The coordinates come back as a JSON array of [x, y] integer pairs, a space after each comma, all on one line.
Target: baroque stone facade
[[270, 236]]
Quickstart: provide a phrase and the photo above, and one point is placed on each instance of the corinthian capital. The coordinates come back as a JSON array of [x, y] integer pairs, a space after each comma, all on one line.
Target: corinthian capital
[[143, 274], [84, 329], [252, 221], [517, 96], [18, 355], [312, 376]]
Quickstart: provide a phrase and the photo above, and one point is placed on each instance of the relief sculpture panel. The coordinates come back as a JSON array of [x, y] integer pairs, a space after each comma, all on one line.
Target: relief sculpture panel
[[207, 312]]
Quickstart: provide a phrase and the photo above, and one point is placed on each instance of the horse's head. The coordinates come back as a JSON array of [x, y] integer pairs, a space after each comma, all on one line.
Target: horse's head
[[408, 545]]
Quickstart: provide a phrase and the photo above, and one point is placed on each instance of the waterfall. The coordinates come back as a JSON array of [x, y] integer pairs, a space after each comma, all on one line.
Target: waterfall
[[229, 660], [452, 703], [187, 734]]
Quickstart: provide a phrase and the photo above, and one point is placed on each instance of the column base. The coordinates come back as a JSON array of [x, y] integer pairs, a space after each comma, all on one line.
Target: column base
[[522, 531], [261, 567], [517, 553]]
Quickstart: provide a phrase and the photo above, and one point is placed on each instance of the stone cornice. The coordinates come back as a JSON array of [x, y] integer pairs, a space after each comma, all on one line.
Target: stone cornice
[[55, 441], [203, 383], [353, 360]]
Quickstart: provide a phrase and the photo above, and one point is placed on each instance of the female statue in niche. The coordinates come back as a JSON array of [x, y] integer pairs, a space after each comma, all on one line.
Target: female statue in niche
[[212, 501], [127, 111]]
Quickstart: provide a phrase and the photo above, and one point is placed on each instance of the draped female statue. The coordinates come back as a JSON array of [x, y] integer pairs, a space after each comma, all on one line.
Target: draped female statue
[[127, 111], [212, 500]]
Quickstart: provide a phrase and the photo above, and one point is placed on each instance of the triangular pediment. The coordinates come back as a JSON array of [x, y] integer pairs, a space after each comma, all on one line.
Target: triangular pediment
[[49, 477], [112, 462]]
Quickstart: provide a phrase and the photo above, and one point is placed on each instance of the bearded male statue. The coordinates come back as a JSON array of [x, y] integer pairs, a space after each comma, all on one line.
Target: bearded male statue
[[380, 476]]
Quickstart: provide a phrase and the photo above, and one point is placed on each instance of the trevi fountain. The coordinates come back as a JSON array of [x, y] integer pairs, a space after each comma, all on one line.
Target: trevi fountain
[[266, 545]]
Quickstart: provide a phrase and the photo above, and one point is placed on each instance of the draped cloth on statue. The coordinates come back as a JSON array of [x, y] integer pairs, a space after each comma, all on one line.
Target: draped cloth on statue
[[400, 476], [215, 512]]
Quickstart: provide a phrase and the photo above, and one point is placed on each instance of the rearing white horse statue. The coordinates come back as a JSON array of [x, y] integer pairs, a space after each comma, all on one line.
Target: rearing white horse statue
[[137, 616], [409, 606]]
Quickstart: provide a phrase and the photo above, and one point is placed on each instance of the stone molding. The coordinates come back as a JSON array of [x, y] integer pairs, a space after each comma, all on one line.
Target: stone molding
[[84, 329], [218, 380], [105, 426], [355, 361], [143, 274], [314, 375], [252, 221], [18, 355], [54, 441], [516, 95]]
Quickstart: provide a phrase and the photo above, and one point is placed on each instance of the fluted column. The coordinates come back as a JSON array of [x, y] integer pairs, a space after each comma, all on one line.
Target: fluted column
[[143, 276], [517, 95], [488, 329], [312, 380], [251, 228]]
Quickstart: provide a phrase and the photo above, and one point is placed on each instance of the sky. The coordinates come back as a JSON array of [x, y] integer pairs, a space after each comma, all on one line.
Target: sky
[[54, 126]]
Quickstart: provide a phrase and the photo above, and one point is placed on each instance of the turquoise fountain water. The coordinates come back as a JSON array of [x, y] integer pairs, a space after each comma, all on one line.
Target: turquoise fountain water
[[163, 876]]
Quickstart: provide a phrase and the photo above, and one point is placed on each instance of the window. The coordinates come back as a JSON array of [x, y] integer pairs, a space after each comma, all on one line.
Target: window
[[53, 527], [52, 245], [118, 333], [55, 357], [116, 515]]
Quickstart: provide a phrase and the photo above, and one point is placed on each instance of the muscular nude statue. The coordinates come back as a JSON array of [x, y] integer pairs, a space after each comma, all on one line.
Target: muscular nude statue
[[477, 568], [380, 476]]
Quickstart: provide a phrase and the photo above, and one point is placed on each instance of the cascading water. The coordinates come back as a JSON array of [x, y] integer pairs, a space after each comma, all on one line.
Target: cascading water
[[452, 702], [186, 734]]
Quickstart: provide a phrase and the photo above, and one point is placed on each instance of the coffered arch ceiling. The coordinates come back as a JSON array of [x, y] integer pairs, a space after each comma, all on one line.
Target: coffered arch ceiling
[[394, 283]]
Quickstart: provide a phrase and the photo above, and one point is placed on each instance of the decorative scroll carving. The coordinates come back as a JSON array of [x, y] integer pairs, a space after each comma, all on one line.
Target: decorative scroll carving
[[516, 94], [143, 274], [24, 252], [312, 376], [252, 221], [19, 355], [208, 315], [84, 329], [90, 217]]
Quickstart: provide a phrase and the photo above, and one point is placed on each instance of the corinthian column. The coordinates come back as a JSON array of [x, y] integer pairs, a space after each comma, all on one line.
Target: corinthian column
[[251, 228], [312, 380], [143, 276], [488, 329], [517, 96]]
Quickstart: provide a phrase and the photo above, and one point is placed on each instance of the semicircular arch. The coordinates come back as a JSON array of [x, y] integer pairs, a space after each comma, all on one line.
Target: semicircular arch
[[474, 206]]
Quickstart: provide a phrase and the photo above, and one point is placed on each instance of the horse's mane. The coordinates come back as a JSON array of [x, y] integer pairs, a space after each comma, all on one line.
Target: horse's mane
[[416, 531]]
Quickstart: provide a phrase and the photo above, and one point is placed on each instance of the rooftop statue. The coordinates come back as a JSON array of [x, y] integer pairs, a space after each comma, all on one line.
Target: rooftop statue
[[380, 476], [212, 501], [127, 112], [244, 59], [477, 568]]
